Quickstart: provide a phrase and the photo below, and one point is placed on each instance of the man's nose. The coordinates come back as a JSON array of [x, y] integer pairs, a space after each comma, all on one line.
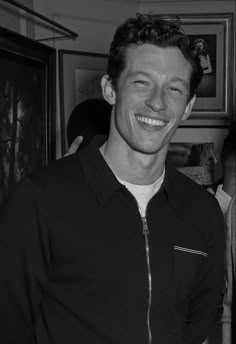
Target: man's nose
[[156, 100]]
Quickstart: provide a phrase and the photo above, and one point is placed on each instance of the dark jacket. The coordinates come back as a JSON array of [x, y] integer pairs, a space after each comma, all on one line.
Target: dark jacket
[[73, 264]]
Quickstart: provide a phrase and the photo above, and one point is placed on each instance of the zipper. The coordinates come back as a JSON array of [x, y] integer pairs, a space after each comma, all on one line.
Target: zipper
[[145, 233]]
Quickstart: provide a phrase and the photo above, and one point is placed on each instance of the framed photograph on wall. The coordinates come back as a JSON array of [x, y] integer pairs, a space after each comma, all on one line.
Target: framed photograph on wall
[[79, 79], [212, 35], [27, 107], [194, 159]]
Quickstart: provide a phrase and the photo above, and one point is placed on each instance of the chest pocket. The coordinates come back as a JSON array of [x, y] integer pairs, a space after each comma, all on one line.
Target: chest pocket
[[189, 250], [187, 264]]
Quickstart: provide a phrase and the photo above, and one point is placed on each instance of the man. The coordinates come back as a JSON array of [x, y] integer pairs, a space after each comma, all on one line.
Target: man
[[110, 245], [225, 191], [225, 188]]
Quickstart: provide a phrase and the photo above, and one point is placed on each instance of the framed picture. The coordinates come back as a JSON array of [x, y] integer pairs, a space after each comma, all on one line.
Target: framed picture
[[27, 107], [212, 35], [196, 160], [79, 79]]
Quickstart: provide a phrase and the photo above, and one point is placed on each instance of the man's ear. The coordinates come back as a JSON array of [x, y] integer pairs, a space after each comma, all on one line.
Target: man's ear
[[108, 91], [188, 108]]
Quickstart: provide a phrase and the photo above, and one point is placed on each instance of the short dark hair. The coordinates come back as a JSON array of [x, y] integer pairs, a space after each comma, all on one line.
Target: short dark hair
[[89, 118], [159, 31]]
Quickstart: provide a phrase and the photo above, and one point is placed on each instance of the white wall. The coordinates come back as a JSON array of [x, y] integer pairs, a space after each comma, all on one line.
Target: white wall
[[94, 21]]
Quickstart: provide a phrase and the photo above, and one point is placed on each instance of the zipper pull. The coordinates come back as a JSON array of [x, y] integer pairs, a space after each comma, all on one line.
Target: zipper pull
[[145, 226]]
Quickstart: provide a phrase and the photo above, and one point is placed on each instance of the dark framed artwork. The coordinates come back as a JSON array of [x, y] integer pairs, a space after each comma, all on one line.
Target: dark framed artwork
[[79, 79], [212, 35], [27, 107]]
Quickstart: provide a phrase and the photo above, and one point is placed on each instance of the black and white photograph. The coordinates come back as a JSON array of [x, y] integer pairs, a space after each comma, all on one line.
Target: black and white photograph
[[117, 172]]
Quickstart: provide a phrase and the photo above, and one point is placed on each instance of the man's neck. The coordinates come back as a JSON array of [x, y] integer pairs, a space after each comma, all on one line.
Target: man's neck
[[134, 167]]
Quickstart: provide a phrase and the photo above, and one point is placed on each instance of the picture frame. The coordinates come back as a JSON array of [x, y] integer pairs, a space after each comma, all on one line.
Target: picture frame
[[196, 160], [27, 108], [213, 35], [79, 79]]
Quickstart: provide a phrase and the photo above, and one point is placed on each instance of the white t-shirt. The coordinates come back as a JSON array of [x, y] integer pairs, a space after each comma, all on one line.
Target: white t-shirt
[[143, 193], [223, 198]]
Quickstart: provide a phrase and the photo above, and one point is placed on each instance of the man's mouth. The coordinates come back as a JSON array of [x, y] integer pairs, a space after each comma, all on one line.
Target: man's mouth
[[150, 121]]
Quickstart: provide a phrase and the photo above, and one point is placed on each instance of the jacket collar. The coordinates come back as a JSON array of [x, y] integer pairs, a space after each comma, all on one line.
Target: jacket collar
[[99, 175]]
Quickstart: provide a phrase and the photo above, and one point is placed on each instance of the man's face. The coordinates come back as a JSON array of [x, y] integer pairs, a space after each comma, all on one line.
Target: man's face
[[151, 97]]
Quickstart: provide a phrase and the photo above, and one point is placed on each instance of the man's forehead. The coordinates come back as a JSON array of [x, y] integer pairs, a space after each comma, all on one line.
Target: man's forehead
[[148, 59]]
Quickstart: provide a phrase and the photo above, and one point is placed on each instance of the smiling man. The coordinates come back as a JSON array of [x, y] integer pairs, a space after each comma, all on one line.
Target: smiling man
[[111, 245], [150, 99]]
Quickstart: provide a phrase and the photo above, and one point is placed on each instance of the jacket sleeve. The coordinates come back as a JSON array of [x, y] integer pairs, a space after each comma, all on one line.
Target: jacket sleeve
[[24, 262], [205, 303]]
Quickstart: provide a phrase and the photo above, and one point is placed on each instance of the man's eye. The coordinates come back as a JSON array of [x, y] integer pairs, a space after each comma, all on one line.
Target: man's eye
[[141, 82], [175, 89]]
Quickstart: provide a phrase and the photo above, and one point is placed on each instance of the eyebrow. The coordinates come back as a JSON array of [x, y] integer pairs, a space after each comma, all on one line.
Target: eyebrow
[[139, 73], [177, 79], [174, 78]]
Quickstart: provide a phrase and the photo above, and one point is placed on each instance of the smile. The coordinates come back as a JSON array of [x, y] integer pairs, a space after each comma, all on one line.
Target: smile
[[150, 121]]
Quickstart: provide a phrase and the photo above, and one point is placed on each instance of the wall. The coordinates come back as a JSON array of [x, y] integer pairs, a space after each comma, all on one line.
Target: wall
[[94, 21], [14, 19]]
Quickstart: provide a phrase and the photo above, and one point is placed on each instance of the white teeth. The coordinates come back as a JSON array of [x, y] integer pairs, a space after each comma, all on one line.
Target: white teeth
[[150, 121]]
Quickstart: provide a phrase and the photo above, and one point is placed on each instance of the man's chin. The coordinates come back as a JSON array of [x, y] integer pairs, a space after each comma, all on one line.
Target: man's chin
[[149, 149]]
